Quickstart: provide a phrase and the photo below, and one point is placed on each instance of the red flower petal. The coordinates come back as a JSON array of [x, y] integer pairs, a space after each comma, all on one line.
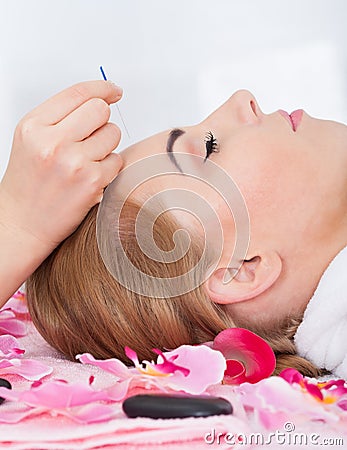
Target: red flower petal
[[332, 388], [254, 354], [291, 375], [313, 390], [234, 372], [132, 355], [343, 404], [168, 366]]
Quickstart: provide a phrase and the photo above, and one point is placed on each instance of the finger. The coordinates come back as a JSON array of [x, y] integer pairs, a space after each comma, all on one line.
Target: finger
[[82, 122], [60, 105], [102, 142], [109, 168]]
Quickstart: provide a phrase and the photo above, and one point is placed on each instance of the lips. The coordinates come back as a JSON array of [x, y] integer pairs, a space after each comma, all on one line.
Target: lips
[[294, 118]]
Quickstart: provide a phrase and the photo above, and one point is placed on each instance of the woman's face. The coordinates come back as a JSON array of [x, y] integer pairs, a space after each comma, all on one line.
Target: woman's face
[[293, 177]]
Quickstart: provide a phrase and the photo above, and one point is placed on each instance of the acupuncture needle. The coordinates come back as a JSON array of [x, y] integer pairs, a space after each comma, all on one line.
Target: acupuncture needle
[[120, 115]]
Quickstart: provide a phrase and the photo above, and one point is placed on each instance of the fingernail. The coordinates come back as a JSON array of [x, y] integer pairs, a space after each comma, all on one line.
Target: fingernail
[[115, 85]]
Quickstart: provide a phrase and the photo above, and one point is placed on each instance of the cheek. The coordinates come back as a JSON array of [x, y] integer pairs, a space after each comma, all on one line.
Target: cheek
[[275, 185], [256, 178]]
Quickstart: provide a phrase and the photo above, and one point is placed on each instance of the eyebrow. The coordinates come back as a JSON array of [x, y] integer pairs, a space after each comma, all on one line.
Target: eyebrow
[[173, 136]]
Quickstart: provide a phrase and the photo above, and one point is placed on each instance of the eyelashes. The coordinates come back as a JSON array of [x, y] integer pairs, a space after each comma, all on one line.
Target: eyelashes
[[211, 145]]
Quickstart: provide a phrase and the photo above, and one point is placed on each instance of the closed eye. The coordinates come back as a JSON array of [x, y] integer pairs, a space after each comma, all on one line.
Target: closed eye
[[211, 145]]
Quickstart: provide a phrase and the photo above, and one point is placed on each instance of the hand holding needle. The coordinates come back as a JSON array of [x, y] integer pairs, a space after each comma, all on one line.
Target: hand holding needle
[[120, 115]]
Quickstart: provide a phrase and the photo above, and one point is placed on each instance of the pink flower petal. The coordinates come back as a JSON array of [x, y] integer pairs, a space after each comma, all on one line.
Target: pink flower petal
[[55, 395], [10, 347], [331, 390], [6, 314], [163, 368], [76, 403], [249, 349], [276, 402], [112, 365], [19, 413], [119, 390], [9, 324], [12, 326], [167, 366], [206, 368], [27, 368], [91, 413], [17, 303]]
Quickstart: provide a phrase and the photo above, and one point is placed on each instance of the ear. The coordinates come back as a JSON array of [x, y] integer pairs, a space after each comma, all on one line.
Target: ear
[[256, 275]]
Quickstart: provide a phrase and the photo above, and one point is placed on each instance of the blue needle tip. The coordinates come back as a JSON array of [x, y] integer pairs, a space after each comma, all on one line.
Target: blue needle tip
[[103, 73]]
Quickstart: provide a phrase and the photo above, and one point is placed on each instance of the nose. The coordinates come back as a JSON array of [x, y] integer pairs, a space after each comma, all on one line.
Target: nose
[[240, 109], [245, 107]]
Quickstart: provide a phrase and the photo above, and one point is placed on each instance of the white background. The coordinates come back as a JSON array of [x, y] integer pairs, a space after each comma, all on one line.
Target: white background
[[176, 60]]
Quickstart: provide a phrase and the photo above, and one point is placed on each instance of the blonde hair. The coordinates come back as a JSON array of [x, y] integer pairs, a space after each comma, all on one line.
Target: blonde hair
[[78, 306]]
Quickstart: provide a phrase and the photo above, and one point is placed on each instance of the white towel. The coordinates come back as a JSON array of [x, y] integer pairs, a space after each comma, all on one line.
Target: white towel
[[322, 336]]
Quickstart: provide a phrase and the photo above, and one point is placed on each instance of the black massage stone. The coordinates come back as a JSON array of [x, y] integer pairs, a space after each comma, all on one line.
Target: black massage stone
[[6, 384]]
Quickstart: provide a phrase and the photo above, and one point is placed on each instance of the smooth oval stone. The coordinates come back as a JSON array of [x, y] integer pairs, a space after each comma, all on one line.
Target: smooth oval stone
[[6, 384]]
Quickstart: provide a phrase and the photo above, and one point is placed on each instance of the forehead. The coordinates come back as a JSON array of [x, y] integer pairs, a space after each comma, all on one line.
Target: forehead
[[149, 146]]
